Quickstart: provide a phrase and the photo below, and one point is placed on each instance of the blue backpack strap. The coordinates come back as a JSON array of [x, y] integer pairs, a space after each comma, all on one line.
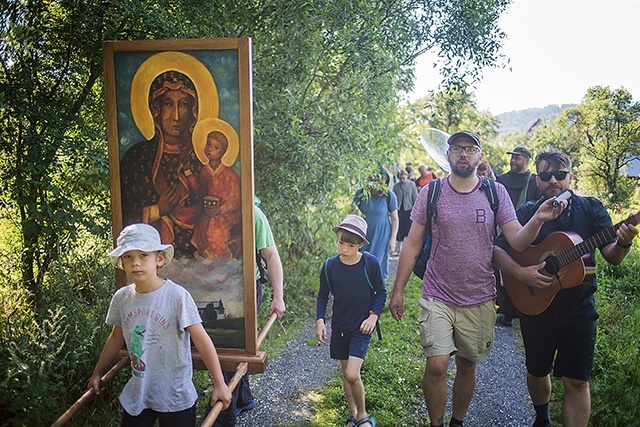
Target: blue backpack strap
[[373, 293]]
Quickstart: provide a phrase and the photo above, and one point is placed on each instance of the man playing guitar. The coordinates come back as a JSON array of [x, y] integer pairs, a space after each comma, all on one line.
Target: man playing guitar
[[564, 328]]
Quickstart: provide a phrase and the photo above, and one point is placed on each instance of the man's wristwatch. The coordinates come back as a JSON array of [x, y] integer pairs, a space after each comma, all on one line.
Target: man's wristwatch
[[627, 246]]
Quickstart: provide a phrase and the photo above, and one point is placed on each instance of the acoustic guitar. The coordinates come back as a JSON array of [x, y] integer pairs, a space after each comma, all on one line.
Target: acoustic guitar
[[568, 260]]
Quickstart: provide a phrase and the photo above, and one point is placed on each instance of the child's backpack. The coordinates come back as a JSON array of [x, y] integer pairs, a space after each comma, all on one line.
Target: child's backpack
[[489, 187], [326, 267]]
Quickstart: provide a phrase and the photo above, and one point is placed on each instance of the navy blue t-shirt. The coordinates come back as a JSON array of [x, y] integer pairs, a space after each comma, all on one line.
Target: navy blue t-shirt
[[353, 297], [585, 216]]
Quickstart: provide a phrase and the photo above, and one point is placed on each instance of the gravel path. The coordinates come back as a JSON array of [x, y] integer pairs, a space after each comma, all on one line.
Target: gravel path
[[287, 389]]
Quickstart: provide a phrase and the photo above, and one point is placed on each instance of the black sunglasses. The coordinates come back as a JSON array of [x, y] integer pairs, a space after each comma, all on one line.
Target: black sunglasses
[[558, 175]]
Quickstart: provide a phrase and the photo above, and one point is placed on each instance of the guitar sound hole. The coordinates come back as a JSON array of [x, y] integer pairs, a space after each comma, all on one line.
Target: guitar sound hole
[[553, 266]]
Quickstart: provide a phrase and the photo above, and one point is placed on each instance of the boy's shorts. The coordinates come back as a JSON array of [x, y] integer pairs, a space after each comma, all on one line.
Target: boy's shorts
[[572, 346], [465, 331], [343, 345], [148, 417]]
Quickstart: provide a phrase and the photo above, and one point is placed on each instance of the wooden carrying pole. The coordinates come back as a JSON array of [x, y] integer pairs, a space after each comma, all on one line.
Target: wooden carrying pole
[[240, 371], [89, 394]]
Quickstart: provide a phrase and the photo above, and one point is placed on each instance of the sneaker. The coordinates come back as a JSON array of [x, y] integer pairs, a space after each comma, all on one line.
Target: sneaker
[[504, 320], [249, 407]]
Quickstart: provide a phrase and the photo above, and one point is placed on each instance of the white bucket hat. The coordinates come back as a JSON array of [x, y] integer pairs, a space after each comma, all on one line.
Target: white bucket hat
[[354, 224], [139, 237]]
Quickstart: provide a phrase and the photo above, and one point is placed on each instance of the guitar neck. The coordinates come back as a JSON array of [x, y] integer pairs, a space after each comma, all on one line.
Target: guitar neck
[[589, 245]]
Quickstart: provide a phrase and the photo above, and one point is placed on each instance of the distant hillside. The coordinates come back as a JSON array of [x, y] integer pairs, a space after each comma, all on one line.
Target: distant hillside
[[522, 120]]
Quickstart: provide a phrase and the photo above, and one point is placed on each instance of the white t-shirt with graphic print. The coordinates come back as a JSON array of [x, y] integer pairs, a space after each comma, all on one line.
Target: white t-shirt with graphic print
[[154, 327]]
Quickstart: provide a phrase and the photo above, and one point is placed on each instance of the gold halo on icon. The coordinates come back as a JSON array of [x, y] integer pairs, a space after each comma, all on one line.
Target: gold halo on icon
[[171, 61], [199, 140]]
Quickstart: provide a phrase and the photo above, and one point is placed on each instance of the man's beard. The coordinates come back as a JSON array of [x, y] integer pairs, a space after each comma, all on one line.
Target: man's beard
[[515, 168], [551, 191], [464, 171]]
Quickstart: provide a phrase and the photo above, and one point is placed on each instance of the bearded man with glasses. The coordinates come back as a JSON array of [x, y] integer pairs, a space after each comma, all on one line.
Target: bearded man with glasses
[[562, 337], [458, 291]]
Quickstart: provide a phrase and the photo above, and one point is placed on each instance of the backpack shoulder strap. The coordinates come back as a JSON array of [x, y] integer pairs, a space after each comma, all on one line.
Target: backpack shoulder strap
[[432, 198], [433, 192], [373, 292], [489, 186], [366, 274], [367, 265]]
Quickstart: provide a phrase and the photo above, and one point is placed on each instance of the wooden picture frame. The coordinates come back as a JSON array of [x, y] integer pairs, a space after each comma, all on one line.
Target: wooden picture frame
[[173, 107]]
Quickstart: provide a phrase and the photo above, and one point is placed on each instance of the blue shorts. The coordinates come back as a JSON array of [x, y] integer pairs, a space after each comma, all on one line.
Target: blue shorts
[[343, 345], [572, 346]]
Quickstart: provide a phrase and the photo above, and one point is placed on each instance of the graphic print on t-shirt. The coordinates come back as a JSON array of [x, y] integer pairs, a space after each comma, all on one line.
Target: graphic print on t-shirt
[[481, 216], [138, 365]]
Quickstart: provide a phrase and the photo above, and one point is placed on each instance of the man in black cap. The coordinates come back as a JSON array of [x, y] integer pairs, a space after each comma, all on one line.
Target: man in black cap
[[521, 186]]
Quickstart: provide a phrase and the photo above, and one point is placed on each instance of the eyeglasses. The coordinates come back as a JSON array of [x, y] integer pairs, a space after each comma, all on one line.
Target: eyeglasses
[[558, 175], [471, 149]]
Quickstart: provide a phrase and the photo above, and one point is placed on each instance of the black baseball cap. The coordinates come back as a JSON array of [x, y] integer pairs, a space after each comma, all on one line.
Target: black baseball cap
[[469, 134], [522, 151]]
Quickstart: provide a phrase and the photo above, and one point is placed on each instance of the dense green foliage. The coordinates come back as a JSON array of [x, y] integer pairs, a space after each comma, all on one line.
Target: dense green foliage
[[328, 76], [46, 358], [617, 372], [605, 128]]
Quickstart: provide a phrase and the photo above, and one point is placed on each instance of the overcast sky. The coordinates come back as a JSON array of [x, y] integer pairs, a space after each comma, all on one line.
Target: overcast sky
[[557, 50]]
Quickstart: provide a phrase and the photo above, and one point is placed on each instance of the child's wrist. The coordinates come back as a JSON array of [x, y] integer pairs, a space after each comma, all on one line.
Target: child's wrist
[[373, 313]]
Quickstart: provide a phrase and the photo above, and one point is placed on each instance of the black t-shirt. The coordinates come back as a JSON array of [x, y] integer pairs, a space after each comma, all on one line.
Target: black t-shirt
[[585, 216], [515, 182]]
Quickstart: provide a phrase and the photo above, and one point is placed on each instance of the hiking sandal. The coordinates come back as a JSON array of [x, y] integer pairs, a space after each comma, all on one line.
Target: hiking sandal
[[368, 419], [351, 420]]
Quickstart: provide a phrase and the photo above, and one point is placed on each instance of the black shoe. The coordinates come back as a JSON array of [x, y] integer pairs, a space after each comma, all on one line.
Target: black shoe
[[504, 320], [542, 423]]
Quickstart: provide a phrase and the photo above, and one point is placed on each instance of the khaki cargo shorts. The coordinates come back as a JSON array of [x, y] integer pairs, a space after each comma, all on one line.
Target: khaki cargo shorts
[[465, 331]]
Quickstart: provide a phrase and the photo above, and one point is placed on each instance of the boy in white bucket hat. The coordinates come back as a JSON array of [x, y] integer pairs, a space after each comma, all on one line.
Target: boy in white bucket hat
[[355, 280], [156, 319]]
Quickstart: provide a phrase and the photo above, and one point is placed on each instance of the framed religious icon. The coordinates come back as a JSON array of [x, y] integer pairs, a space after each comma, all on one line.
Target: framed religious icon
[[179, 127]]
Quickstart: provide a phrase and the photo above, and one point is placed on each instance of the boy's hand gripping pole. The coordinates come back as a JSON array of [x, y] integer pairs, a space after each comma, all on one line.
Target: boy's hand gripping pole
[[240, 371]]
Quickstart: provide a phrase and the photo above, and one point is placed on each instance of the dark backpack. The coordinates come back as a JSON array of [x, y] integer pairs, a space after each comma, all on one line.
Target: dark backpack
[[366, 274], [489, 187], [262, 268]]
